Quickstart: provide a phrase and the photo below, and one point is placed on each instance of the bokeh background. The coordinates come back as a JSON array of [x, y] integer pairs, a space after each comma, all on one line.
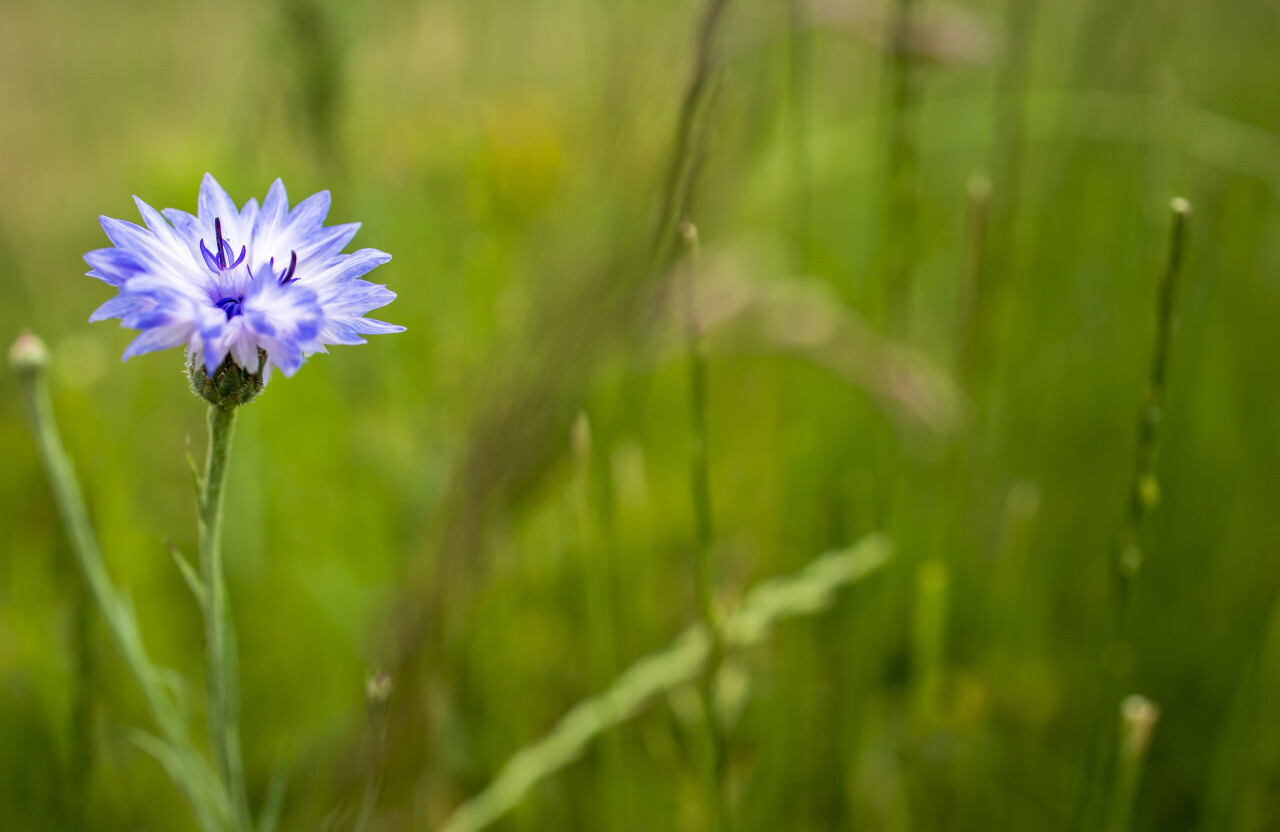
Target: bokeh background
[[421, 505]]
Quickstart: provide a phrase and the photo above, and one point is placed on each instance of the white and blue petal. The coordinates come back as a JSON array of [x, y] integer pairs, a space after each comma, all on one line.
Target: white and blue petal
[[114, 265], [159, 338], [123, 305]]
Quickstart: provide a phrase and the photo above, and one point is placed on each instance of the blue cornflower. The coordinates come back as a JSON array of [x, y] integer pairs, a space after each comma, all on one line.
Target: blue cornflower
[[229, 282]]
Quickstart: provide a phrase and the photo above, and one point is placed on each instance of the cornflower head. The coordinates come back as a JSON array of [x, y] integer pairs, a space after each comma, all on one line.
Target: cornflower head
[[245, 289]]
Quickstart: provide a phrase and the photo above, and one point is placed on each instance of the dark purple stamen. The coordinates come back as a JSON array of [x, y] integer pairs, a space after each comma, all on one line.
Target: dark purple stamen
[[222, 251], [287, 277], [219, 262], [232, 306]]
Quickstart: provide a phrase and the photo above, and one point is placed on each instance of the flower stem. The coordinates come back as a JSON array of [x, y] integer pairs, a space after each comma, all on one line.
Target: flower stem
[[184, 765], [222, 678]]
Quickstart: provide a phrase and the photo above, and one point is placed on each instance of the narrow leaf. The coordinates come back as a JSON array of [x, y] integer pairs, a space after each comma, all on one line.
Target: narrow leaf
[[180, 775], [188, 573], [176, 684]]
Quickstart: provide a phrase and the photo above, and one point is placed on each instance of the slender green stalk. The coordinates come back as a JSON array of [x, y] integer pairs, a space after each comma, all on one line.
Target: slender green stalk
[[174, 750], [704, 581], [970, 314], [686, 161], [1144, 495], [1144, 490], [617, 798], [902, 160], [690, 140], [597, 565], [377, 695], [929, 631], [799, 63], [1138, 717], [222, 678]]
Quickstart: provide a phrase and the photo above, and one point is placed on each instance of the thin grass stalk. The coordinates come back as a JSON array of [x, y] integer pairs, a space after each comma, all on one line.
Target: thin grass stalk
[[969, 324], [901, 163], [689, 146], [377, 697], [602, 627], [1143, 497], [597, 565], [799, 63], [929, 634], [184, 765], [889, 306], [1138, 717], [970, 316], [688, 156], [704, 568], [1144, 489], [222, 682]]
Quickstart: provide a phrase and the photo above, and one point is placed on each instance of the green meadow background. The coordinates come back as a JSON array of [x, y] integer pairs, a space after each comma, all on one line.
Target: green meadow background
[[495, 506]]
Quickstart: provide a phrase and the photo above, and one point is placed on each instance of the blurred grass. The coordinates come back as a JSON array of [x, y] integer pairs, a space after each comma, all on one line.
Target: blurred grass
[[509, 155]]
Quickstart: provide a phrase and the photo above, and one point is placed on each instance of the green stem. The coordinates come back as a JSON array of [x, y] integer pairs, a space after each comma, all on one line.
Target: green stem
[[690, 141], [1138, 717], [1144, 495], [222, 680], [185, 767], [704, 581]]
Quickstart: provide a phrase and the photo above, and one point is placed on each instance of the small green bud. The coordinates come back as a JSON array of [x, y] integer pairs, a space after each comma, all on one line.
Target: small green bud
[[377, 692], [229, 385], [28, 355]]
